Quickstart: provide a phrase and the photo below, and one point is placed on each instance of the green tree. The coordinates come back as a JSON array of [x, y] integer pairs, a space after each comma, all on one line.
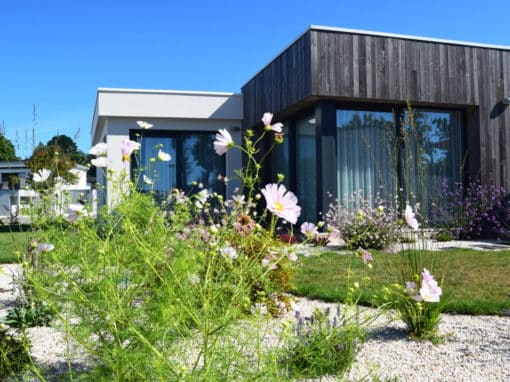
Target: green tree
[[50, 158], [65, 145], [7, 151]]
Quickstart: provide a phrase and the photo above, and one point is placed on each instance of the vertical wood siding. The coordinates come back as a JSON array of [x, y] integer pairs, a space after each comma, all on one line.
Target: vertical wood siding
[[363, 68]]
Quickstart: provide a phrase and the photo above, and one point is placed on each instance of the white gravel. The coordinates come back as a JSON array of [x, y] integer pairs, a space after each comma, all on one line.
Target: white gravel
[[477, 348]]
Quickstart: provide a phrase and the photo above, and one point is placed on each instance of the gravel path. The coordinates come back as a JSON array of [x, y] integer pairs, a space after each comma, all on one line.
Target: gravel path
[[477, 347]]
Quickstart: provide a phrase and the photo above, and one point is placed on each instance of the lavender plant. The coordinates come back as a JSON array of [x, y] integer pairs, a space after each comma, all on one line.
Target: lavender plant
[[324, 343], [473, 210]]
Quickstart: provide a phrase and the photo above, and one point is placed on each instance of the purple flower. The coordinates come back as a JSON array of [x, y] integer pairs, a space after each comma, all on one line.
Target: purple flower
[[429, 291], [366, 256]]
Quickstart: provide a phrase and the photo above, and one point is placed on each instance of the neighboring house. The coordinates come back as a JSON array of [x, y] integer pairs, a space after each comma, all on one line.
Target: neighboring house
[[16, 196], [342, 95], [14, 177]]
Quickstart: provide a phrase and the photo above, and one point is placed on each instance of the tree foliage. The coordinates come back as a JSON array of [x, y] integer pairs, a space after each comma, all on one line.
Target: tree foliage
[[49, 157], [66, 146], [7, 151]]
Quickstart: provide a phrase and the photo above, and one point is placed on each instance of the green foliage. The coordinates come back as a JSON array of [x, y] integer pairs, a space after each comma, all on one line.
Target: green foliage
[[14, 355], [323, 345], [28, 315], [49, 157], [7, 150], [66, 146]]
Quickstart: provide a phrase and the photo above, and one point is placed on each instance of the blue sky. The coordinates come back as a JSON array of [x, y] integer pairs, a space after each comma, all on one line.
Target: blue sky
[[55, 54]]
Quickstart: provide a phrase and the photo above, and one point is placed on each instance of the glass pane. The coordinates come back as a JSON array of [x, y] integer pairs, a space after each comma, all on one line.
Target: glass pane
[[280, 162], [367, 160], [201, 164], [433, 154], [163, 174], [306, 159]]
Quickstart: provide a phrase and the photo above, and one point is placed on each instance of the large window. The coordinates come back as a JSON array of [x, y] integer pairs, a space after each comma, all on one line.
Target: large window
[[366, 155], [306, 167], [398, 155], [193, 161]]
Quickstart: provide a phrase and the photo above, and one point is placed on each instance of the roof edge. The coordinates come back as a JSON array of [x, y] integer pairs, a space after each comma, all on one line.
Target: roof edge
[[159, 91], [407, 37]]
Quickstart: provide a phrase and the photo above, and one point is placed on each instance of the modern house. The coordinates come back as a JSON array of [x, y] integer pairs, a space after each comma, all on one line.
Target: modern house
[[386, 113], [17, 196], [184, 125]]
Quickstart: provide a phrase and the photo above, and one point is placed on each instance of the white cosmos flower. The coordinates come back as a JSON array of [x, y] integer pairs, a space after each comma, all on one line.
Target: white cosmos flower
[[164, 157], [147, 180], [266, 120], [75, 211], [99, 150], [42, 175], [99, 162], [223, 142], [144, 125]]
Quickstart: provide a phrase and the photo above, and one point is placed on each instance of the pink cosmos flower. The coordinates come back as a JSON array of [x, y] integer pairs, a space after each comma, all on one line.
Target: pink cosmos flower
[[99, 162], [309, 229], [223, 142], [366, 256], [429, 291], [292, 256], [127, 147], [281, 202], [277, 127], [410, 218]]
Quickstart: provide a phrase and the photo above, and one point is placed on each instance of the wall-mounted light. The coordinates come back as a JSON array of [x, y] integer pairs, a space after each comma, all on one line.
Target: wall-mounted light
[[505, 101]]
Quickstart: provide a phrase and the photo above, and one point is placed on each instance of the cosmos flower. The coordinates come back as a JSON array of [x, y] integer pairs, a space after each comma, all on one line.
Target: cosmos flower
[[429, 291], [127, 147], [244, 224], [147, 180], [99, 162], [410, 218], [309, 229], [268, 261], [281, 202], [277, 127], [45, 247], [144, 125], [366, 256], [223, 142], [75, 211], [228, 252], [100, 150], [42, 175], [164, 157]]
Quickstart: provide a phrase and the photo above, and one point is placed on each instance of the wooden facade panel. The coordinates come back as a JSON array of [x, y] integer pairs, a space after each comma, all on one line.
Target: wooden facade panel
[[365, 69]]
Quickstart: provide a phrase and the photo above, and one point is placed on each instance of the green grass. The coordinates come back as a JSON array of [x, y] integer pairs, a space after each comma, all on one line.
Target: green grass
[[10, 243], [475, 282]]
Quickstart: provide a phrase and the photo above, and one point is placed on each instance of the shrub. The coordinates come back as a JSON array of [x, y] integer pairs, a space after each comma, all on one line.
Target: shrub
[[323, 345], [473, 210], [362, 225]]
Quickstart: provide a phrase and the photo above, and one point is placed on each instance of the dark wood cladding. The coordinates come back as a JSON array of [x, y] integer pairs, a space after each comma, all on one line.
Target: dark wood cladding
[[284, 82], [363, 68]]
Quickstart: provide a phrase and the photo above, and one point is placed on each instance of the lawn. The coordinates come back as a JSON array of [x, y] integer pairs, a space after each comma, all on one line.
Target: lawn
[[10, 242], [475, 282]]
